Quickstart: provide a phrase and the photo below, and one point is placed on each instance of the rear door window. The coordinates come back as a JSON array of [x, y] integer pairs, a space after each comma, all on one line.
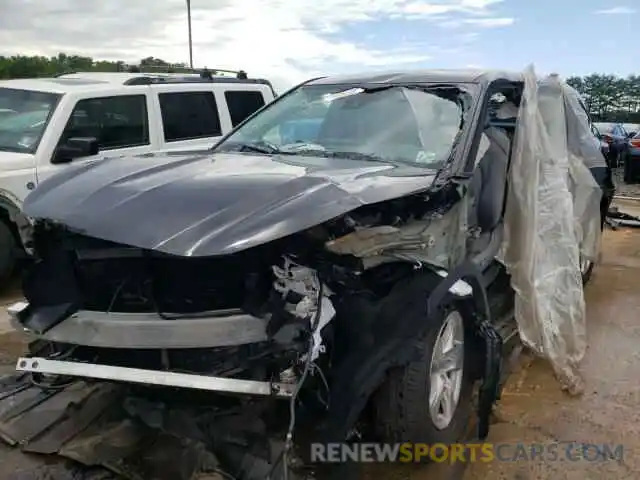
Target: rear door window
[[242, 104], [189, 116]]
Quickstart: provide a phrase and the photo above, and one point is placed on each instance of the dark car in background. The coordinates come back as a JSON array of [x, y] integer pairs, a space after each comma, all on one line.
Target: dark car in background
[[617, 138], [632, 163]]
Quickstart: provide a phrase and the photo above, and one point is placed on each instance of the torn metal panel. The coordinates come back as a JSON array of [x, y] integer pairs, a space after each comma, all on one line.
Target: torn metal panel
[[438, 239]]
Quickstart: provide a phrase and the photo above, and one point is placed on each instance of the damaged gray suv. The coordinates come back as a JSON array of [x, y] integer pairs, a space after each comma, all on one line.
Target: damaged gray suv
[[356, 245]]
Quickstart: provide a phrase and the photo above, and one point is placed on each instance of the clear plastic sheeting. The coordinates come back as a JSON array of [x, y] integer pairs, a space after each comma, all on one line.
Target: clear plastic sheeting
[[552, 219]]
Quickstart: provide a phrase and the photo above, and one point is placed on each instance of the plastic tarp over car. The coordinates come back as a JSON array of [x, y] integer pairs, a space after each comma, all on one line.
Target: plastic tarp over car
[[552, 220]]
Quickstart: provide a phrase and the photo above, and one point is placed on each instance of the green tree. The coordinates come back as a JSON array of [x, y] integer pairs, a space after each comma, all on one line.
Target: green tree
[[22, 66], [610, 98]]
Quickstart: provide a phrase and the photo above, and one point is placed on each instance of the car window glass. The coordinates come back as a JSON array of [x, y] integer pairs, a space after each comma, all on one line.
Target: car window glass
[[189, 115], [303, 128], [242, 104], [116, 122], [405, 125]]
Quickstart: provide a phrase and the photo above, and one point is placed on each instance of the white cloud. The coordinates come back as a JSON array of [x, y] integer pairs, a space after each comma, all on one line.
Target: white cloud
[[291, 39], [617, 11], [490, 22], [484, 22]]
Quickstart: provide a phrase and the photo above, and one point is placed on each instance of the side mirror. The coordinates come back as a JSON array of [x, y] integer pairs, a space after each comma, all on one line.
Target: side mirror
[[76, 147]]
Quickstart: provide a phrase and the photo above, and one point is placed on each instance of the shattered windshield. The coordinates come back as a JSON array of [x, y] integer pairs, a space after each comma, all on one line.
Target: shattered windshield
[[24, 115], [416, 125]]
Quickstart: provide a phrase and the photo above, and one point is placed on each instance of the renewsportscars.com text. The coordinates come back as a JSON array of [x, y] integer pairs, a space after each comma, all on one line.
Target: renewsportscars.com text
[[468, 453]]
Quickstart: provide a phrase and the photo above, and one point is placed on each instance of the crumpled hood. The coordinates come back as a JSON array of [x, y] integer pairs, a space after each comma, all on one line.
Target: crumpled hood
[[213, 204]]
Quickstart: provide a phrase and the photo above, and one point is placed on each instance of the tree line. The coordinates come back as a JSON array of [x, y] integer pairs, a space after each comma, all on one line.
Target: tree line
[[23, 66], [608, 97]]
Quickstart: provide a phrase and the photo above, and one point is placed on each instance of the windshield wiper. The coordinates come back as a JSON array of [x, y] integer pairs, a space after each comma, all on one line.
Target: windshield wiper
[[367, 157], [258, 147]]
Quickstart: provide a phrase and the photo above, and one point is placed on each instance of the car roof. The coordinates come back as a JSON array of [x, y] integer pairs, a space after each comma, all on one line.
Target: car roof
[[422, 76], [90, 81]]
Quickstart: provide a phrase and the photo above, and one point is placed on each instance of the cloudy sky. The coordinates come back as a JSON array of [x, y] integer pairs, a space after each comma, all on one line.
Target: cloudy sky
[[295, 39]]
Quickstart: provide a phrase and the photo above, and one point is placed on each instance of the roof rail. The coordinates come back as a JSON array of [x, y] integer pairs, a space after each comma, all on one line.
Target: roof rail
[[153, 79], [178, 68]]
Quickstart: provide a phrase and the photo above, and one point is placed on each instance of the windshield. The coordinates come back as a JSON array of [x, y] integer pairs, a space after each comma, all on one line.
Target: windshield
[[24, 115], [412, 125]]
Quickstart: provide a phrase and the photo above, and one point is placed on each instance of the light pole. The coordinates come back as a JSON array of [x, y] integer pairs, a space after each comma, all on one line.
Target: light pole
[[190, 40]]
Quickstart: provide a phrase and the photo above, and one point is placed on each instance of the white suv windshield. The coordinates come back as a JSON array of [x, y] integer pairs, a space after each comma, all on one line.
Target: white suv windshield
[[24, 115], [414, 125]]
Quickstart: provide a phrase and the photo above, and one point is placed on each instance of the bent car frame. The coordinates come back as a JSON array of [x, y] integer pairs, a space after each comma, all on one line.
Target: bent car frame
[[343, 241]]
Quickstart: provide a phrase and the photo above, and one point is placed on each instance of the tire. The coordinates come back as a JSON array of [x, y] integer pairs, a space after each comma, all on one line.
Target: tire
[[586, 269], [8, 255], [401, 407]]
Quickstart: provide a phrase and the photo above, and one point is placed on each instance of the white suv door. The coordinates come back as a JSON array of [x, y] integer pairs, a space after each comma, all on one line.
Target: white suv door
[[120, 123]]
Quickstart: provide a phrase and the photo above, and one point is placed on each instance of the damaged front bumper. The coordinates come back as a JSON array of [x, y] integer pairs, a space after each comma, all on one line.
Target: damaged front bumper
[[147, 331], [154, 377], [140, 330]]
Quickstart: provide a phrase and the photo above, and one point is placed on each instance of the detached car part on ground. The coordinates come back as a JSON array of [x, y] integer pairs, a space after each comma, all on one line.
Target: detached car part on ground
[[337, 251]]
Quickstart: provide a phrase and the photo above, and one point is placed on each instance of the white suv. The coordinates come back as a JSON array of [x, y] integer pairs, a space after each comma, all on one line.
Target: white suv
[[47, 123]]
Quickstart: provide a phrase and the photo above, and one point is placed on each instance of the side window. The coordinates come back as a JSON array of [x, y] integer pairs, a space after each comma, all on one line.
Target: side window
[[189, 115], [116, 122], [242, 104]]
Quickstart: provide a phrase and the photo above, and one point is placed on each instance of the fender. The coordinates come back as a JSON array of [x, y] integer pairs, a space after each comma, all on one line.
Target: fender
[[23, 224], [363, 371]]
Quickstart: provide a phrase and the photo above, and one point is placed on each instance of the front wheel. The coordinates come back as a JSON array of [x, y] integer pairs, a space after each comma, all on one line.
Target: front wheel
[[430, 399]]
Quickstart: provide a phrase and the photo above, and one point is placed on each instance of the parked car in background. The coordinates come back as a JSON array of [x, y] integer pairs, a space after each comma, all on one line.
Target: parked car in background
[[46, 124], [631, 128], [602, 145], [617, 138], [632, 164]]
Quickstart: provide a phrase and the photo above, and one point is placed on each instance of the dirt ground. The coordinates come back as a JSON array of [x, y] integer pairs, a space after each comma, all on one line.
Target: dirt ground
[[533, 409]]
